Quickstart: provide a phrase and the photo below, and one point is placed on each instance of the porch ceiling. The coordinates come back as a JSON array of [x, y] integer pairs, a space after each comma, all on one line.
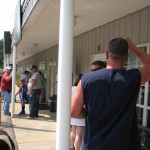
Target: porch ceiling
[[42, 27]]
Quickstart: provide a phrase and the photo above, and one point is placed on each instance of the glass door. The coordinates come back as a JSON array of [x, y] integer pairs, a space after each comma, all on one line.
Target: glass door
[[51, 79]]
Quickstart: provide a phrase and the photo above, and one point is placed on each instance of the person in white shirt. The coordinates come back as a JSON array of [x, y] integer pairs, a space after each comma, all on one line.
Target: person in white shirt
[[34, 90]]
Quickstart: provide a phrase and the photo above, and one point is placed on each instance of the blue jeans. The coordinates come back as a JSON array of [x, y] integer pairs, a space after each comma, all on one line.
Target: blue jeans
[[34, 103], [7, 101]]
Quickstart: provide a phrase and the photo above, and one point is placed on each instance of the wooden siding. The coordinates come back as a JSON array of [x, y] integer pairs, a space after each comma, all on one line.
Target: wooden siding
[[136, 26], [49, 55]]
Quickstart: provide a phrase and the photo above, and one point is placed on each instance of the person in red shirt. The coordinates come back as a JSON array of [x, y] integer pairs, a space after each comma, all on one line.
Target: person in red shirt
[[6, 86]]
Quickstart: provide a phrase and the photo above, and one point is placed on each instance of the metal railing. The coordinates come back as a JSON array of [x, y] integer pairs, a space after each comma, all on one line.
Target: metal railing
[[27, 7]]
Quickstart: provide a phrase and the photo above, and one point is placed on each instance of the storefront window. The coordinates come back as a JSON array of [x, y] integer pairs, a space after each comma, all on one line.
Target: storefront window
[[141, 96], [149, 93], [139, 115], [42, 66]]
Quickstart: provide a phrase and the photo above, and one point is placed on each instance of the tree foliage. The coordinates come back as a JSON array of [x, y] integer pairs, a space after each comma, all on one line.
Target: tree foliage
[[1, 53]]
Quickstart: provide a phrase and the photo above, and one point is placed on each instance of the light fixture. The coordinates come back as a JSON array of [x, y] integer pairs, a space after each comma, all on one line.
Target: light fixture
[[23, 54]]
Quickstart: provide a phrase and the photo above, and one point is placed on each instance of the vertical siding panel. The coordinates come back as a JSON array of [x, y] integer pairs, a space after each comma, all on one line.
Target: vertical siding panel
[[87, 50], [102, 38], [74, 55], [90, 41], [116, 28], [122, 27], [40, 58], [136, 27], [47, 56], [129, 26], [84, 54], [97, 40], [55, 54], [111, 30], [148, 25], [143, 26], [43, 56], [93, 47], [106, 31], [81, 53]]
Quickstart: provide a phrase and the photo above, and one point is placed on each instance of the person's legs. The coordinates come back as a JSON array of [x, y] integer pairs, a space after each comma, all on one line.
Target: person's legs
[[22, 112], [37, 107], [4, 103], [23, 106], [42, 95], [7, 101], [38, 92], [78, 138], [32, 104], [72, 136], [27, 99]]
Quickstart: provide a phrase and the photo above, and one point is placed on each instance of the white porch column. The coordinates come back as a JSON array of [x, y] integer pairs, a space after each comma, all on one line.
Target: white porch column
[[13, 81], [7, 59], [64, 74]]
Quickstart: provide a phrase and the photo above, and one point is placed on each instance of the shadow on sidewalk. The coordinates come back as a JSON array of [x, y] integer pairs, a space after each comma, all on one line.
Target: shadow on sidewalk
[[33, 129], [40, 117]]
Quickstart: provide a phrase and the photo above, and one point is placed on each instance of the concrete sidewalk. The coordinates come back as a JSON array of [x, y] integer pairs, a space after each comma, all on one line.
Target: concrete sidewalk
[[34, 134], [6, 125]]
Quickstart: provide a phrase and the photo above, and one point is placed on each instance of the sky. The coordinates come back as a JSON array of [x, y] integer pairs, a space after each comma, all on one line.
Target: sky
[[7, 11]]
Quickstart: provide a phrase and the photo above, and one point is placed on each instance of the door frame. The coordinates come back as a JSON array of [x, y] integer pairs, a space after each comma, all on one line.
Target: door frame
[[48, 75]]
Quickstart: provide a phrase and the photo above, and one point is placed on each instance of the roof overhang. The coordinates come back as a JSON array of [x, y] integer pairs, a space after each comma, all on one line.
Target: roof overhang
[[41, 30]]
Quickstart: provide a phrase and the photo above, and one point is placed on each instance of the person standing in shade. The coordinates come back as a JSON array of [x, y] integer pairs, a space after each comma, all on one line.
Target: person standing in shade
[[77, 125], [43, 82], [6, 86], [26, 76], [34, 90], [107, 99]]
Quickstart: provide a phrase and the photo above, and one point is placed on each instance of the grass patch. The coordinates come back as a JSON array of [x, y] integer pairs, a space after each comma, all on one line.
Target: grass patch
[[1, 71]]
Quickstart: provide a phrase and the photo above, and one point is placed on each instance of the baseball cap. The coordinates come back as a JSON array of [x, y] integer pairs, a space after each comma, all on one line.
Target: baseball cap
[[8, 67], [118, 46], [33, 67]]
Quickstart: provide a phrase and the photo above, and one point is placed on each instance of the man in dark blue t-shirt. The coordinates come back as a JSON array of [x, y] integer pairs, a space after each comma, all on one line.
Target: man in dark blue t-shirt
[[107, 99]]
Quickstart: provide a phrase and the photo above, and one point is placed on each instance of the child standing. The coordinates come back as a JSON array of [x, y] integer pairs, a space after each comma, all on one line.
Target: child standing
[[23, 95]]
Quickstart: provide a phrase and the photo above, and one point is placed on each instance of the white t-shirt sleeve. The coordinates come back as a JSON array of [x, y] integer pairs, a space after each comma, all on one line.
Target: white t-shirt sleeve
[[35, 76]]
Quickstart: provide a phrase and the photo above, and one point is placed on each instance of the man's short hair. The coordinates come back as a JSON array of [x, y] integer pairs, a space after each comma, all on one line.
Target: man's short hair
[[118, 47], [77, 79], [26, 72], [34, 67], [99, 63]]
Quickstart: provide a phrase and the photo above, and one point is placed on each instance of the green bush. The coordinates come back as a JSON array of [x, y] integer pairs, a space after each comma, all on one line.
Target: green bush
[[1, 71]]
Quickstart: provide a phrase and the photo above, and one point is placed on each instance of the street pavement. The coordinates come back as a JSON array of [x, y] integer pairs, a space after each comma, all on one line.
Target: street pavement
[[31, 134]]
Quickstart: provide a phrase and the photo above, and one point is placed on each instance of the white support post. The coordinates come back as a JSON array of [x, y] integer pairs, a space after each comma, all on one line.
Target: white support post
[[65, 59], [7, 61], [13, 81]]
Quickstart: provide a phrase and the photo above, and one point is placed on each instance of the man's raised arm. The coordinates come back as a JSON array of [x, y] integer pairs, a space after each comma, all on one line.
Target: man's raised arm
[[144, 58]]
